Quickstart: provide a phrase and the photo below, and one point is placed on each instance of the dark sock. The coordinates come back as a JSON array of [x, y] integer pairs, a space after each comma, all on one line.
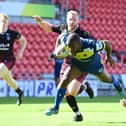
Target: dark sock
[[72, 103], [80, 90], [18, 91], [115, 81]]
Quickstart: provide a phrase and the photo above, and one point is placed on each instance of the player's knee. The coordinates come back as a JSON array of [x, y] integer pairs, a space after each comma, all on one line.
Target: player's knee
[[4, 72], [71, 92]]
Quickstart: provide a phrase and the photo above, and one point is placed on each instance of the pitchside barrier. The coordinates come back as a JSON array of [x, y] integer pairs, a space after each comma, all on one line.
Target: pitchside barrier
[[45, 88], [36, 88]]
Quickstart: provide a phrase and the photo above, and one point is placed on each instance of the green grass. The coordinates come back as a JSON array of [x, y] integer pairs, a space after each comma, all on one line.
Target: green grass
[[100, 111]]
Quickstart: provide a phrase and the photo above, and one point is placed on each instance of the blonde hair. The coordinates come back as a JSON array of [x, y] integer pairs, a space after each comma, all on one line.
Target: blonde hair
[[73, 12], [4, 15]]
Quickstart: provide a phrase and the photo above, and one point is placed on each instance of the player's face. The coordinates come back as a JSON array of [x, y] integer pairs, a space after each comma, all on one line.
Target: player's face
[[3, 24], [72, 21]]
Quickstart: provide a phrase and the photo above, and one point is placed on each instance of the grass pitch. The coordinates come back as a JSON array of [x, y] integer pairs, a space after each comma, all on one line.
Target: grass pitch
[[100, 111]]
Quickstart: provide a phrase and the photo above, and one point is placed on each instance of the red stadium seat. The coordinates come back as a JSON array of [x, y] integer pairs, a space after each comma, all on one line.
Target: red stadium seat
[[105, 20]]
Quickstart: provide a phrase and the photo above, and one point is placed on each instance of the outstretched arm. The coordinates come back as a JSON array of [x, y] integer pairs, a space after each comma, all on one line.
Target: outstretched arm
[[52, 56], [43, 24], [108, 49], [57, 42], [23, 44]]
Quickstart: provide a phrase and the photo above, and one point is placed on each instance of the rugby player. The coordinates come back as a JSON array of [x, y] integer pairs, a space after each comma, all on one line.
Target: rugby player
[[72, 25], [7, 58], [84, 57]]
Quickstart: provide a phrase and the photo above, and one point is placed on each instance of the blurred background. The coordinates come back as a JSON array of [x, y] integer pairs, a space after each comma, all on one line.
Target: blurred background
[[104, 19]]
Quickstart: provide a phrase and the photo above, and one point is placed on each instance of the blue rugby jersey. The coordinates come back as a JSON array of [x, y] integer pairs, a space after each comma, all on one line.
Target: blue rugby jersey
[[89, 49], [89, 60]]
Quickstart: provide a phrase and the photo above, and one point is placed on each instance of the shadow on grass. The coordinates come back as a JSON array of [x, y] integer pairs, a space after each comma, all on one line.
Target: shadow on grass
[[50, 100], [116, 122]]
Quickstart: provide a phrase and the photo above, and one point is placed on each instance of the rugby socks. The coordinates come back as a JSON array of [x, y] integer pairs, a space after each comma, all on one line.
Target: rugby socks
[[18, 91], [82, 88], [115, 81], [59, 96], [72, 103], [117, 85]]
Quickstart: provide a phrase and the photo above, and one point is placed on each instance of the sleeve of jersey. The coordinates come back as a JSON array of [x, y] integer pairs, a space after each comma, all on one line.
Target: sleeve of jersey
[[17, 35], [56, 28], [99, 45], [87, 35]]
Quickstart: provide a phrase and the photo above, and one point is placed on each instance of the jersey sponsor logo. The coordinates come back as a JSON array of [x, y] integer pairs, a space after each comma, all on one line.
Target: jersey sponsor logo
[[101, 70], [8, 36], [63, 37], [88, 52], [99, 46], [4, 46]]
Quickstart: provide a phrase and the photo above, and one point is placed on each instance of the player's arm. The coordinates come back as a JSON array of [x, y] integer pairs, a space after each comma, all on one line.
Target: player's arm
[[23, 44], [62, 51], [85, 34], [52, 56], [43, 24], [47, 26], [57, 42], [108, 48], [56, 49]]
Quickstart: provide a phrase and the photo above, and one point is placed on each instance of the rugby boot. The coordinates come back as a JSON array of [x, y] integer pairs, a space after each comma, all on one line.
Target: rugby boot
[[78, 118], [19, 99], [51, 111], [86, 87], [89, 90]]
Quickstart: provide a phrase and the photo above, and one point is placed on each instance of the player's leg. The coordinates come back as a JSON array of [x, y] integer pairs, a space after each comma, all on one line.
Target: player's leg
[[88, 89], [85, 85], [75, 88], [57, 68], [72, 91], [7, 76], [105, 77], [68, 76], [70, 99]]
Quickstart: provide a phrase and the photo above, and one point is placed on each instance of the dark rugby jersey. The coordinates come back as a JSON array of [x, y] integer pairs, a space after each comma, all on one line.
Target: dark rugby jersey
[[7, 42], [63, 28]]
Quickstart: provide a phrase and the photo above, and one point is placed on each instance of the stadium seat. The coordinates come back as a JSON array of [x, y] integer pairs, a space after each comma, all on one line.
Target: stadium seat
[[104, 20]]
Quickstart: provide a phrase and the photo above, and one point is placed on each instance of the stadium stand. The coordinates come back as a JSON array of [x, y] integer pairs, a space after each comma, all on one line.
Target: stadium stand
[[107, 21], [35, 60], [104, 20]]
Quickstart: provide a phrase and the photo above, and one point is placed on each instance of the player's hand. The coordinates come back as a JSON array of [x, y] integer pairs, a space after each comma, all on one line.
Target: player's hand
[[51, 57], [123, 102], [37, 18], [19, 56], [110, 60]]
